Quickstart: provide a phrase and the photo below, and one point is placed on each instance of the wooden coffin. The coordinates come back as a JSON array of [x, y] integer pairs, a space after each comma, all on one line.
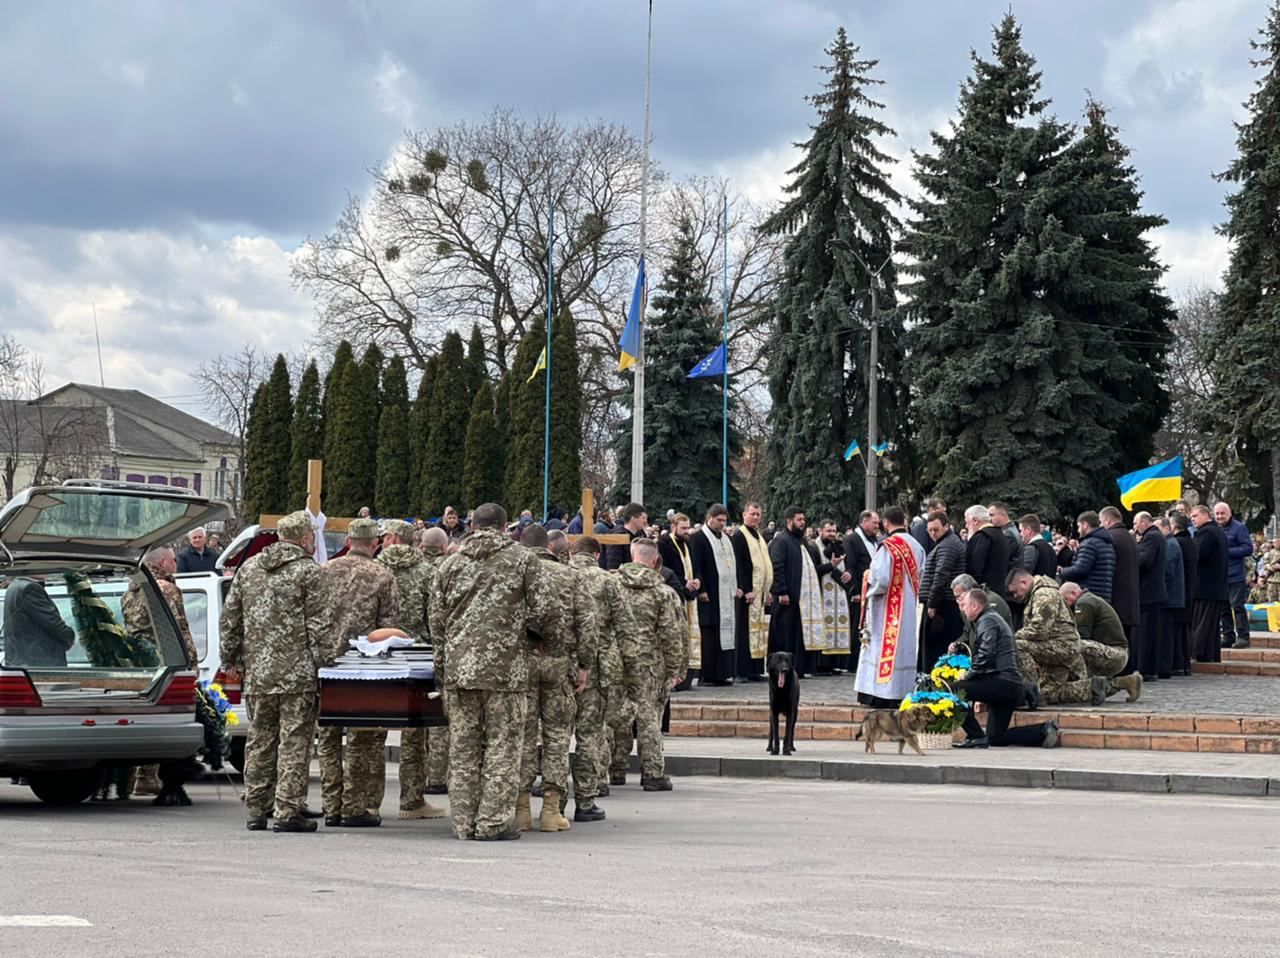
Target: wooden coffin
[[396, 691]]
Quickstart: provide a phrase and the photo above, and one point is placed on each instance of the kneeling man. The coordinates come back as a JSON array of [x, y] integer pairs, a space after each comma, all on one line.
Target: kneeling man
[[1048, 644], [1102, 640]]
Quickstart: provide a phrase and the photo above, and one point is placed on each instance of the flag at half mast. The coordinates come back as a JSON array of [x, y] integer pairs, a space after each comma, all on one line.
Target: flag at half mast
[[629, 346]]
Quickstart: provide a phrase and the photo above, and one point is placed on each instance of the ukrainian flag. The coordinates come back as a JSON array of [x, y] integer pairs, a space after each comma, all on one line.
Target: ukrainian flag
[[629, 347], [541, 364], [1159, 483], [880, 449], [852, 451]]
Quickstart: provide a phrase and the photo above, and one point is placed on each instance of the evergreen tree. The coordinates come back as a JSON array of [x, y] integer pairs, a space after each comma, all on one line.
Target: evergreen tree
[[1016, 393], [477, 371], [526, 403], [373, 362], [349, 467], [307, 435], [419, 430], [446, 440], [683, 417], [1246, 404], [566, 414], [391, 492], [256, 456], [819, 350], [482, 467], [502, 429], [267, 471], [342, 358]]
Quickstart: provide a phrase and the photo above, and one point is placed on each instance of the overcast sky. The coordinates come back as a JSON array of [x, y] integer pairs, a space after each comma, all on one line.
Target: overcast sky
[[164, 160]]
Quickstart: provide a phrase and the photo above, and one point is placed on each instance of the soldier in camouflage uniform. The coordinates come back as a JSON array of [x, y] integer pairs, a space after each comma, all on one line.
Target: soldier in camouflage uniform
[[413, 575], [1048, 644], [277, 626], [557, 668], [1102, 640], [1270, 568], [434, 542], [604, 674], [364, 599], [651, 630], [162, 564], [484, 599]]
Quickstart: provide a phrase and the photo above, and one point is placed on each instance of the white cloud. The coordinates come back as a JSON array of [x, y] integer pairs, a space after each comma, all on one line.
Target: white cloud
[[1195, 257], [397, 90], [129, 72]]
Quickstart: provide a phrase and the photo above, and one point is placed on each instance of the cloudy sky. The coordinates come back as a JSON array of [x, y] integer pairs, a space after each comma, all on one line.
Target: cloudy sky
[[163, 161]]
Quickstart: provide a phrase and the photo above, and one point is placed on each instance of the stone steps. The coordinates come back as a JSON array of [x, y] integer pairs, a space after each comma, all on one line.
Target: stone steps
[[1256, 660], [1263, 640], [1081, 728]]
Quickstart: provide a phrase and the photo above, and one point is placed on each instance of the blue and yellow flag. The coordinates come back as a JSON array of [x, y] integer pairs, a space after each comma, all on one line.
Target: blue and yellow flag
[[629, 347], [541, 364], [852, 451], [880, 449], [1159, 483]]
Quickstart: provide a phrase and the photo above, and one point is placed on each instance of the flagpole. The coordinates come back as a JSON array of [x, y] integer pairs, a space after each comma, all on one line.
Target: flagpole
[[637, 397], [724, 295], [546, 414]]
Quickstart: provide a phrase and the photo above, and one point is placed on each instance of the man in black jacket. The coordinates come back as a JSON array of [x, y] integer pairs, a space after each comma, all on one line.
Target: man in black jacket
[[197, 556], [987, 552], [942, 623], [632, 521], [999, 513], [1211, 586], [1152, 653], [859, 548], [1190, 560], [35, 634], [1038, 556], [1126, 596]]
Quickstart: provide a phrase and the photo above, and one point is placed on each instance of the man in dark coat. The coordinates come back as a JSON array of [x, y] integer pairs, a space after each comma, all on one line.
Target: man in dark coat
[[1211, 586], [1094, 565], [1152, 652], [987, 552], [999, 513], [788, 552], [197, 556], [1235, 621], [1126, 596], [716, 571], [36, 636], [943, 622], [1182, 540], [859, 549], [1038, 556], [631, 521], [920, 524]]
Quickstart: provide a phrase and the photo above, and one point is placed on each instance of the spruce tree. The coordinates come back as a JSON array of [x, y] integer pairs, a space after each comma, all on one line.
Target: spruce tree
[[526, 402], [419, 430], [482, 467], [838, 223], [566, 414], [446, 440], [391, 491], [1016, 397], [1246, 405], [683, 431], [256, 456], [307, 435], [502, 429], [267, 471], [477, 371], [348, 465], [343, 357]]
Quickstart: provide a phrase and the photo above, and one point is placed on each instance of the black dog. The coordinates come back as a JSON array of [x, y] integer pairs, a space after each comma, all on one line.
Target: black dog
[[784, 700]]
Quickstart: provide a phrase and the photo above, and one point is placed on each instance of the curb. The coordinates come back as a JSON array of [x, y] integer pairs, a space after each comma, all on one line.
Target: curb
[[884, 773]]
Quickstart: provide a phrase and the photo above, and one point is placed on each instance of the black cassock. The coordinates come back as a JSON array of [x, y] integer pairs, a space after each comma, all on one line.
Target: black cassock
[[786, 632], [717, 664]]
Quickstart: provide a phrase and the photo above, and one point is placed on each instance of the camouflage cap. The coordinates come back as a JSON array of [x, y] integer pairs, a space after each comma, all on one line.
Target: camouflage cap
[[398, 528], [294, 526], [362, 529]]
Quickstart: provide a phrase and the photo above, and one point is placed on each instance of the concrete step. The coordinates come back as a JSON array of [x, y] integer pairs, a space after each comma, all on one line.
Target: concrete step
[[1264, 640], [1081, 728], [1251, 661]]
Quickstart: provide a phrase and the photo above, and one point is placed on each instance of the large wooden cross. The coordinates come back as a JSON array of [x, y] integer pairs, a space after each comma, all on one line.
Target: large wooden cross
[[588, 523], [315, 475]]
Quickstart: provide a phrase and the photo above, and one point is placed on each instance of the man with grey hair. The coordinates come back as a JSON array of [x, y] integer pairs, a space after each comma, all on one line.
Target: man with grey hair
[[197, 556], [987, 551]]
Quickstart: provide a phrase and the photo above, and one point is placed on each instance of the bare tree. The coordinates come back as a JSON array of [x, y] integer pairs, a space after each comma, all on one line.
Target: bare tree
[[228, 382]]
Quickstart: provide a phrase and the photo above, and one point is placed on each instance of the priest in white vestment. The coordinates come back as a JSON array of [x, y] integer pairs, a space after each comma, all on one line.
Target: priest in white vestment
[[887, 667]]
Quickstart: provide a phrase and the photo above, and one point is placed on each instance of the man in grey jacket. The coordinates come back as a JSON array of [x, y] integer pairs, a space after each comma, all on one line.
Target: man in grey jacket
[[35, 635]]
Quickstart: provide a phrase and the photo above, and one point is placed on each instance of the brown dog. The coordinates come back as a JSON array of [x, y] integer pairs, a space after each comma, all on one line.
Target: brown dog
[[900, 727]]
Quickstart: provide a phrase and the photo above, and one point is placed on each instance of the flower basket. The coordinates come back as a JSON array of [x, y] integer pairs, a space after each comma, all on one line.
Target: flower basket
[[949, 711], [935, 740]]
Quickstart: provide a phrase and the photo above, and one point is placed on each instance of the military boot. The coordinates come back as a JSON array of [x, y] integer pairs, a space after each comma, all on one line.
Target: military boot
[[552, 820], [1131, 684], [425, 810], [588, 811], [524, 817]]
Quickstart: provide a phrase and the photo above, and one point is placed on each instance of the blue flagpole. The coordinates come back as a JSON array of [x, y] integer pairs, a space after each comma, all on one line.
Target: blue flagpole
[[546, 413], [724, 463]]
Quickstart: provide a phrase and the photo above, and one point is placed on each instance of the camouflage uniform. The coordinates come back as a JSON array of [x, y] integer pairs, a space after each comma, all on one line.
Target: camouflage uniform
[[1049, 646], [568, 644], [604, 677], [413, 576], [438, 737], [363, 593], [137, 621], [1271, 567], [277, 624], [1102, 640], [651, 631], [483, 600]]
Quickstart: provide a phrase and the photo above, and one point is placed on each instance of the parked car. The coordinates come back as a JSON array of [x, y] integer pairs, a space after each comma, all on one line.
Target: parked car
[[78, 693], [203, 594]]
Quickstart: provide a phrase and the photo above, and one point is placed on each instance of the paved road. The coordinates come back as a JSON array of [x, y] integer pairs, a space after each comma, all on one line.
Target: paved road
[[719, 867], [1199, 694]]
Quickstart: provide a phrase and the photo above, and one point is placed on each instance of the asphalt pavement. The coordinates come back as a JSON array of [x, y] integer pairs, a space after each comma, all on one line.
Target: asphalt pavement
[[719, 866]]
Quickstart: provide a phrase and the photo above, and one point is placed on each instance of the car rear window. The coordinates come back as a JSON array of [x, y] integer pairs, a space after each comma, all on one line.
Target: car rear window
[[196, 604]]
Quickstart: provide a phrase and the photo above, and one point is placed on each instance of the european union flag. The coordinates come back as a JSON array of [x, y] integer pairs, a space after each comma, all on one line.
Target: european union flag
[[713, 365], [629, 346], [1159, 483], [852, 451]]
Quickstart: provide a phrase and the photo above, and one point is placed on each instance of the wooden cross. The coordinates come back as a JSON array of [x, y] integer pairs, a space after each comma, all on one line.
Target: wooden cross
[[588, 519], [315, 475]]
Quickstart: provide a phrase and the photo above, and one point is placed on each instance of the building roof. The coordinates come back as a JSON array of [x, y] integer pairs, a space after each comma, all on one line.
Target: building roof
[[87, 427], [143, 408]]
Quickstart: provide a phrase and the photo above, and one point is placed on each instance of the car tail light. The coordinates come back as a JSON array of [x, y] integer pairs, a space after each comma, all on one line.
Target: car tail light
[[17, 692], [181, 691], [230, 687]]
